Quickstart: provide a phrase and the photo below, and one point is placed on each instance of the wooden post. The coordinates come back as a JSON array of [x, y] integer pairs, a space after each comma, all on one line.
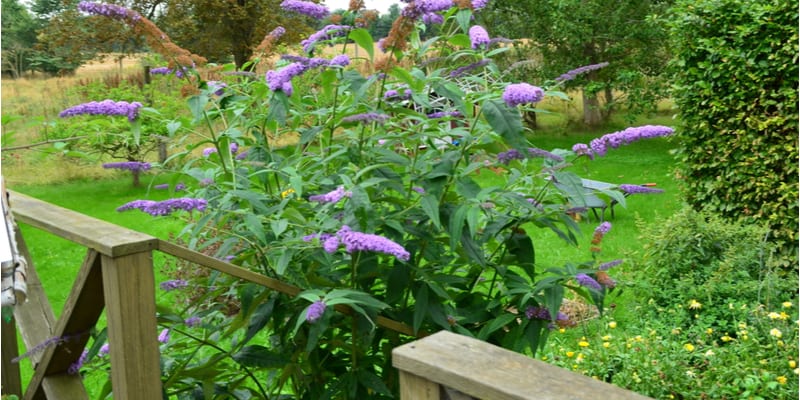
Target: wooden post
[[12, 384], [129, 290], [485, 371]]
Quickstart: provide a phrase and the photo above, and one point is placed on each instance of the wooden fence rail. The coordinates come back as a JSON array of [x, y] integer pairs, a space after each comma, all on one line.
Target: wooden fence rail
[[117, 276]]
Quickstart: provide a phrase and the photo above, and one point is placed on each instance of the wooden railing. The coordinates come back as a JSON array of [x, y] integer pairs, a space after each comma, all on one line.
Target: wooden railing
[[117, 276]]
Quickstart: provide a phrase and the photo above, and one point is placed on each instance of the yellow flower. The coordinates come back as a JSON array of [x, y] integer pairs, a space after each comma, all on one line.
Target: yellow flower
[[607, 337], [774, 315], [781, 379], [775, 332], [579, 359], [544, 358], [561, 330], [787, 304], [286, 193], [762, 362], [676, 331], [688, 347], [742, 325], [784, 316], [612, 324], [583, 343], [606, 344], [709, 331], [695, 305], [792, 364], [726, 338], [780, 343], [638, 338], [570, 354]]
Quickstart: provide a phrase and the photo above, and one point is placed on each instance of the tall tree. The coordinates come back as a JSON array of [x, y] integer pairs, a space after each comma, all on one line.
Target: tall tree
[[219, 29], [567, 34], [19, 36]]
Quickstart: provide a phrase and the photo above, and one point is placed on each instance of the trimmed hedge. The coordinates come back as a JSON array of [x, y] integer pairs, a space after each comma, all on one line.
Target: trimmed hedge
[[736, 78]]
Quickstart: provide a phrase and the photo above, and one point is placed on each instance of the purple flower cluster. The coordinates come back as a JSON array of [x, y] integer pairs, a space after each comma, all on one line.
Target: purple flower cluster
[[631, 189], [308, 8], [443, 114], [173, 284], [578, 71], [341, 60], [191, 322], [104, 349], [163, 337], [478, 4], [614, 140], [166, 207], [366, 118], [105, 107], [393, 94], [432, 6], [603, 228], [522, 93], [359, 241], [163, 186], [326, 33], [331, 197], [432, 18], [134, 166], [507, 156], [75, 367], [587, 281], [536, 152], [478, 37], [278, 32], [582, 149], [160, 71], [468, 68], [217, 87], [109, 10], [542, 313], [315, 311], [607, 266], [282, 80]]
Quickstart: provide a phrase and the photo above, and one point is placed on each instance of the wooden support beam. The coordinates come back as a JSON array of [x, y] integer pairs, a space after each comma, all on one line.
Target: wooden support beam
[[484, 371], [11, 381], [414, 387], [129, 290]]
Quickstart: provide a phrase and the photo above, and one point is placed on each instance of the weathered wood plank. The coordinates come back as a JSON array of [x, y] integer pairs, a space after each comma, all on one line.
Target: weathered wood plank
[[11, 381], [36, 324], [413, 387], [129, 290], [108, 239], [485, 371], [271, 283]]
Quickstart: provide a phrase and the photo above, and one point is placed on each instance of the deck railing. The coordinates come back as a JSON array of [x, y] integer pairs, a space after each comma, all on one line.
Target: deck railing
[[117, 276]]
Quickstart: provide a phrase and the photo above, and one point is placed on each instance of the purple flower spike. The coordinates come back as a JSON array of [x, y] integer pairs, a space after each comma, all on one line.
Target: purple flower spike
[[76, 366], [366, 118], [308, 8], [332, 196], [522, 93], [507, 156], [478, 4], [315, 311], [478, 37], [191, 322], [173, 284], [631, 189], [445, 114], [160, 71], [587, 281], [278, 32], [109, 10], [578, 71], [104, 349], [432, 18], [134, 166], [209, 151], [166, 207], [614, 140], [467, 68], [609, 265], [163, 337], [105, 107], [603, 228], [340, 60], [162, 186], [326, 33], [432, 6], [393, 94], [534, 152], [358, 241], [217, 87]]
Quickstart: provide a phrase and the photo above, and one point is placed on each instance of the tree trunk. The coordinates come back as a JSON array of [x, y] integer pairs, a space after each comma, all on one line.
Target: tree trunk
[[609, 107], [591, 109]]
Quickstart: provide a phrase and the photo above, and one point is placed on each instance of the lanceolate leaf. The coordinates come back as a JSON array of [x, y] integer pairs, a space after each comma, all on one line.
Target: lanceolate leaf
[[506, 121]]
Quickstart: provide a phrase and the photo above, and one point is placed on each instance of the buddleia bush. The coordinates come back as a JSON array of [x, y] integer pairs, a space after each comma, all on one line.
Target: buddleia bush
[[735, 83]]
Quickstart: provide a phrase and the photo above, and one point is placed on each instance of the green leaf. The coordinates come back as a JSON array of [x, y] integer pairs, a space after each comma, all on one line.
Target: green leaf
[[430, 205], [259, 356], [278, 108], [420, 306], [464, 19], [260, 318], [520, 246], [364, 40], [506, 121], [456, 224], [197, 105], [497, 323], [459, 40]]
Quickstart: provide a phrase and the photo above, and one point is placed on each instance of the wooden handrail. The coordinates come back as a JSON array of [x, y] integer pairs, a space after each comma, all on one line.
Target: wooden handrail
[[432, 366]]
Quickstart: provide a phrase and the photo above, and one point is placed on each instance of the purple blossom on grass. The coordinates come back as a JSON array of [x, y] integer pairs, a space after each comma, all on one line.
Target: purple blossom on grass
[[614, 140], [173, 284], [160, 71], [134, 166], [109, 10], [587, 281], [522, 93], [105, 107], [468, 68], [366, 118], [478, 37], [308, 8], [166, 207], [191, 322], [315, 311], [578, 71], [507, 156], [609, 265], [163, 337], [331, 197], [75, 367], [631, 189], [536, 152], [582, 149], [603, 228]]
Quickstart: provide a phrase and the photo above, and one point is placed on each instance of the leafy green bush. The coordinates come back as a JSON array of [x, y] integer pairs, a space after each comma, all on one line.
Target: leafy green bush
[[736, 77], [700, 261]]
